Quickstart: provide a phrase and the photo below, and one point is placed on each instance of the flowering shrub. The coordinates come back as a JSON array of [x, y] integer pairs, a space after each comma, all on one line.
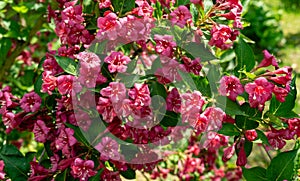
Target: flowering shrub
[[145, 86]]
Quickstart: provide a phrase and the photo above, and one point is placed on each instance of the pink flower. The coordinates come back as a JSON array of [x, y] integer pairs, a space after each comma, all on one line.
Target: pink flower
[[31, 102], [110, 175], [281, 93], [164, 45], [88, 77], [173, 101], [277, 138], [259, 92], [281, 76], [104, 4], [228, 153], [89, 60], [2, 173], [170, 72], [230, 86], [9, 121], [83, 169], [191, 105], [215, 118], [180, 16], [268, 60], [200, 123], [65, 84], [197, 2], [65, 140], [140, 95], [108, 148], [106, 109], [251, 135], [213, 141], [108, 26], [143, 9], [193, 66], [49, 83], [242, 158], [117, 62], [294, 125], [40, 131], [220, 36], [50, 65], [116, 92]]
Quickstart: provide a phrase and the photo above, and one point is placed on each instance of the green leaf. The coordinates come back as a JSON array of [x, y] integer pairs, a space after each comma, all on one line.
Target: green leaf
[[194, 12], [282, 166], [232, 108], [244, 56], [128, 174], [128, 79], [182, 2], [280, 109], [67, 64], [5, 45], [248, 147], [255, 174], [199, 51], [251, 112], [229, 130], [158, 89], [213, 76], [261, 135], [245, 123], [16, 165], [170, 119], [202, 85], [123, 6]]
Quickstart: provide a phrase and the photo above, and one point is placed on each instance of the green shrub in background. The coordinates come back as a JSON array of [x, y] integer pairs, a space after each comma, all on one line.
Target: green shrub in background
[[291, 4], [264, 26]]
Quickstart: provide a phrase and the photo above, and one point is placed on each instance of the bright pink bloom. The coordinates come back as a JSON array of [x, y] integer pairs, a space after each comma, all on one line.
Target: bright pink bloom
[[281, 76], [110, 175], [50, 65], [228, 153], [201, 123], [268, 60], [251, 135], [164, 45], [294, 125], [281, 93], [88, 77], [143, 9], [192, 104], [40, 131], [221, 36], [259, 92], [65, 140], [213, 141], [193, 66], [277, 138], [230, 86], [116, 92], [83, 169], [140, 95], [117, 62], [173, 101], [65, 84], [9, 121], [31, 102], [170, 72], [104, 4], [49, 83], [215, 118], [180, 16], [108, 26], [89, 60], [109, 149], [2, 173], [106, 109]]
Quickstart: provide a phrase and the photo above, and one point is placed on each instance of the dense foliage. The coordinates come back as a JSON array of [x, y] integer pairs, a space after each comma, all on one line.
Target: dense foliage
[[98, 90]]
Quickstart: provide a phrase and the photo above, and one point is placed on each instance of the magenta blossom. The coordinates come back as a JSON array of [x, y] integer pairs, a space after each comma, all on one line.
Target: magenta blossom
[[215, 117], [40, 131], [260, 91], [268, 60], [2, 173], [221, 36], [164, 45], [230, 86], [83, 169], [65, 84], [140, 95], [65, 140], [108, 149], [180, 16], [49, 83], [251, 135], [108, 26], [115, 91], [31, 102], [104, 4], [173, 101], [117, 62], [228, 153]]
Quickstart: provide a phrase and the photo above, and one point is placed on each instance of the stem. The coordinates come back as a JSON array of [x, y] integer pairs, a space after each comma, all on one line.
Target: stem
[[267, 152], [145, 176]]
